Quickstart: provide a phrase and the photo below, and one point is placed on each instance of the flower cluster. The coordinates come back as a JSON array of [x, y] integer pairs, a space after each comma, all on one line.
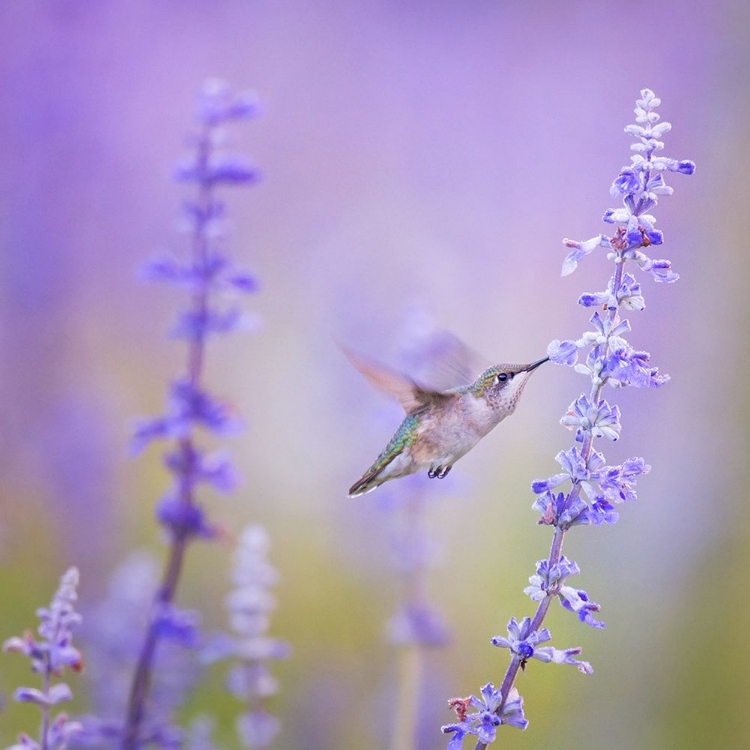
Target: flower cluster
[[524, 643], [250, 605], [491, 712], [49, 656], [592, 487]]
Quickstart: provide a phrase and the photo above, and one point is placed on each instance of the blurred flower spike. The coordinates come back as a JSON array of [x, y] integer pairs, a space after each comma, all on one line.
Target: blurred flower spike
[[49, 657], [207, 273], [212, 285], [594, 487]]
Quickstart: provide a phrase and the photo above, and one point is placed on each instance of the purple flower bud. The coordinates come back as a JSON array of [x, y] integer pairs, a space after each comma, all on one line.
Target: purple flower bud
[[683, 167]]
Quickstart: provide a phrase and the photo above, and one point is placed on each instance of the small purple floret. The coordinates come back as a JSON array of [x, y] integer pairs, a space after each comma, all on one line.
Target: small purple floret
[[563, 352]]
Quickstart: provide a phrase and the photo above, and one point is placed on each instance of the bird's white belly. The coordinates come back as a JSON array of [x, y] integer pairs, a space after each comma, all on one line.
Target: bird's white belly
[[451, 437]]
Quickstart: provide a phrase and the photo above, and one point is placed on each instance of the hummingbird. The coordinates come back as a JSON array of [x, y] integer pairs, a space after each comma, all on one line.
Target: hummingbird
[[440, 426]]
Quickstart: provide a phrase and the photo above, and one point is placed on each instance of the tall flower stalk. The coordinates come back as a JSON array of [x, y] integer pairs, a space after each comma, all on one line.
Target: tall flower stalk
[[205, 273], [593, 487]]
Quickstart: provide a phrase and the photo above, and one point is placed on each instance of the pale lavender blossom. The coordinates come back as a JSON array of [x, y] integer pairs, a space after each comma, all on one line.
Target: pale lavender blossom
[[249, 647]]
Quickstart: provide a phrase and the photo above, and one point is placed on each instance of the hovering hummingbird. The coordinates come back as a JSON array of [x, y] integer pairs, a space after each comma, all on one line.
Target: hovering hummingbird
[[440, 425]]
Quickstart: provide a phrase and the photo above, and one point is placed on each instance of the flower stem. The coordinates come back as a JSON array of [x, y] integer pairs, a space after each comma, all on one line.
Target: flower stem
[[410, 658]]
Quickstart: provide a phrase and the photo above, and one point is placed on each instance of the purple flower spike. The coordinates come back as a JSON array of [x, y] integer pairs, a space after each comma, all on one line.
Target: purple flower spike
[[594, 487], [212, 283]]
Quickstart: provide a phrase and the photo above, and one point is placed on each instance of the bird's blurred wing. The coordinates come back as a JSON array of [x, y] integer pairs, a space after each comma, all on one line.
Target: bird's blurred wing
[[443, 361], [410, 395]]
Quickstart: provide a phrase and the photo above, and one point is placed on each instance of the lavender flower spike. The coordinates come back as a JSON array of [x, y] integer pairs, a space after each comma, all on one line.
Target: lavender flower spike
[[49, 657], [209, 278], [591, 485]]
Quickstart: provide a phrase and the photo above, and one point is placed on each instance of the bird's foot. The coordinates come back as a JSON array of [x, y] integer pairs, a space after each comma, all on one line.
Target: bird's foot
[[439, 472]]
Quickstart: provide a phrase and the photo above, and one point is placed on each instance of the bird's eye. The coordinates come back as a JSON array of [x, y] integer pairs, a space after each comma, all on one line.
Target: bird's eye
[[502, 377]]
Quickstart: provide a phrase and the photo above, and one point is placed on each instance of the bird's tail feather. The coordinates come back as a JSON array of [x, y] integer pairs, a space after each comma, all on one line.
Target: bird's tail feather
[[367, 483]]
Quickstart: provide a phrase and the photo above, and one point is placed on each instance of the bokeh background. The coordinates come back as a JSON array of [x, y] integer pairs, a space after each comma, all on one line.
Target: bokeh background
[[416, 155]]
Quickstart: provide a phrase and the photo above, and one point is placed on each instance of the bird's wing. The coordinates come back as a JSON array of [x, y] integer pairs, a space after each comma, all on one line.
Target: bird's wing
[[442, 361], [410, 395]]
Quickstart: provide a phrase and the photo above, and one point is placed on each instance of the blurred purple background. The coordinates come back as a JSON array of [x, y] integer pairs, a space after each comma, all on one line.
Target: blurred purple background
[[430, 154]]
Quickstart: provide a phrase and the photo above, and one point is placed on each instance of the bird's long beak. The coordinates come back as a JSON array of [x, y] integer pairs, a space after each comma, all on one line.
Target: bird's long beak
[[536, 364]]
